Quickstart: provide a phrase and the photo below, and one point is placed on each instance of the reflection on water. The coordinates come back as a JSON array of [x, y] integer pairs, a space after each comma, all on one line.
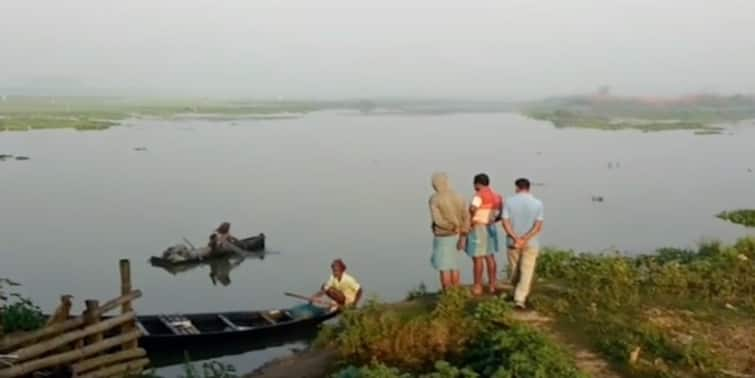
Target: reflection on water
[[220, 267], [199, 352]]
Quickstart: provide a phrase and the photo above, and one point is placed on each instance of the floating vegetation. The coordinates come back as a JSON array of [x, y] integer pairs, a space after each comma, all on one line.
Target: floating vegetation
[[23, 113], [708, 132], [140, 148], [35, 122], [745, 217], [575, 119]]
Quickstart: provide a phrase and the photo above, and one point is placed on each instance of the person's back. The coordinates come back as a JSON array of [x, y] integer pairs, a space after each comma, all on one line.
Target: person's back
[[524, 210], [523, 222]]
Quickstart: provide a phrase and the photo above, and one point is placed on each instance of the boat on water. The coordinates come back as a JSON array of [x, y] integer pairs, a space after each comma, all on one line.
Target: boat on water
[[182, 255], [179, 332]]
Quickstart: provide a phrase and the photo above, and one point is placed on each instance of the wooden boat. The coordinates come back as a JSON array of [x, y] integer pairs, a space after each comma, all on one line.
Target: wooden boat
[[253, 244], [179, 332]]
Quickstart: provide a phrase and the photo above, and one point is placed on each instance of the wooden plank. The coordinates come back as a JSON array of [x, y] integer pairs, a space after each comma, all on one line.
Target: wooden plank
[[268, 318], [141, 328], [167, 323], [68, 357], [130, 368], [14, 340], [107, 359], [46, 346], [228, 322]]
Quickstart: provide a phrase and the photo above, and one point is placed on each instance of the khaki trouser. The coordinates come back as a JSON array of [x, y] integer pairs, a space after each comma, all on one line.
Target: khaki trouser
[[521, 270]]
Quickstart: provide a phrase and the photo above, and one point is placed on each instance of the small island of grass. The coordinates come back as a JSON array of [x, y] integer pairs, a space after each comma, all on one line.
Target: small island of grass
[[745, 217], [604, 111]]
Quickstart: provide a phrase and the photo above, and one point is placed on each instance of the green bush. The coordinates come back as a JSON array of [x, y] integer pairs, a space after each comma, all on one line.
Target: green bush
[[519, 352], [460, 337], [16, 312], [744, 217]]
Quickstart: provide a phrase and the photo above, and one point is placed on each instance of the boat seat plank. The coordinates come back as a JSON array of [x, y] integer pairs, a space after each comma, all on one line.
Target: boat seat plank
[[173, 321], [268, 318], [142, 328], [228, 322]]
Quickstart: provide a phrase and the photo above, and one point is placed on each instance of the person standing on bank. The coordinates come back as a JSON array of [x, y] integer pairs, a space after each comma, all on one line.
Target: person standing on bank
[[482, 242], [450, 222], [523, 222]]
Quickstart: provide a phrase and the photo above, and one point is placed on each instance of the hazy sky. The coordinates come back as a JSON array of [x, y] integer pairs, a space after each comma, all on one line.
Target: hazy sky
[[355, 48]]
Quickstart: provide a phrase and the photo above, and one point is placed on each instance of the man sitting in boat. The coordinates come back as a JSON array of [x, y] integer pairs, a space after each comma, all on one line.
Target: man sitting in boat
[[341, 287], [222, 238]]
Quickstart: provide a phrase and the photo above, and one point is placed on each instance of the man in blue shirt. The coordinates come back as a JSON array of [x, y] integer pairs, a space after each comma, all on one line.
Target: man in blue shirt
[[522, 221]]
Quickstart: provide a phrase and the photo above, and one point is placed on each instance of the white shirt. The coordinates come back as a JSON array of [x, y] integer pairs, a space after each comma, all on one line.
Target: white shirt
[[347, 285]]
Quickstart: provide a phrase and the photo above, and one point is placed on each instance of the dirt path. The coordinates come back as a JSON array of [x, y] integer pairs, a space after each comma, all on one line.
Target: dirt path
[[587, 361]]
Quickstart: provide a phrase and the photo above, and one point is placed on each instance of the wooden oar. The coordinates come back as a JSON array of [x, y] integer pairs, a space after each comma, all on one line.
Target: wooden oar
[[189, 243], [306, 298]]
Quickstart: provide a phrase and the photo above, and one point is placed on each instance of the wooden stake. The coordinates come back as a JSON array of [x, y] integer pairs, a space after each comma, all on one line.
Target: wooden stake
[[125, 268], [91, 317], [68, 357]]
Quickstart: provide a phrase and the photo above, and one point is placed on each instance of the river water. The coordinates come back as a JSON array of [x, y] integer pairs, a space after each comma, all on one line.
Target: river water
[[336, 184]]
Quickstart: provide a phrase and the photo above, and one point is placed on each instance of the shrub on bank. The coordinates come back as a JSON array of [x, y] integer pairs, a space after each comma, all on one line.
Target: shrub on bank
[[17, 313], [459, 337]]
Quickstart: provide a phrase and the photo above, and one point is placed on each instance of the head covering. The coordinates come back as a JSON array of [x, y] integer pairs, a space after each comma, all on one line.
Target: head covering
[[447, 208]]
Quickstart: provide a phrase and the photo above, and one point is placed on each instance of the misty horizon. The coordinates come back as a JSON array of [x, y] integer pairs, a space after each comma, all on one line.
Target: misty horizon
[[505, 50]]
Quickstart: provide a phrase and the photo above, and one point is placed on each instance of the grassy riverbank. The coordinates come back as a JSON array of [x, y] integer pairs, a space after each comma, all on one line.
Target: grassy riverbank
[[676, 313]]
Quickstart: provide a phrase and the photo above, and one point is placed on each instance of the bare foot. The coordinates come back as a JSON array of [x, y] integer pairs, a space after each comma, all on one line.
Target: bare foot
[[477, 290]]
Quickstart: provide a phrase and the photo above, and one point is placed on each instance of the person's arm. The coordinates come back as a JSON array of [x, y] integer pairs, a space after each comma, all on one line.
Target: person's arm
[[534, 231], [358, 297], [507, 227], [323, 289], [536, 228]]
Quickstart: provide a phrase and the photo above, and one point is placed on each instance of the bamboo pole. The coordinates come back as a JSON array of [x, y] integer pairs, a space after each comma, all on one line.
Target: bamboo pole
[[107, 359], [48, 345], [125, 369], [125, 269], [67, 357], [91, 317], [18, 339]]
